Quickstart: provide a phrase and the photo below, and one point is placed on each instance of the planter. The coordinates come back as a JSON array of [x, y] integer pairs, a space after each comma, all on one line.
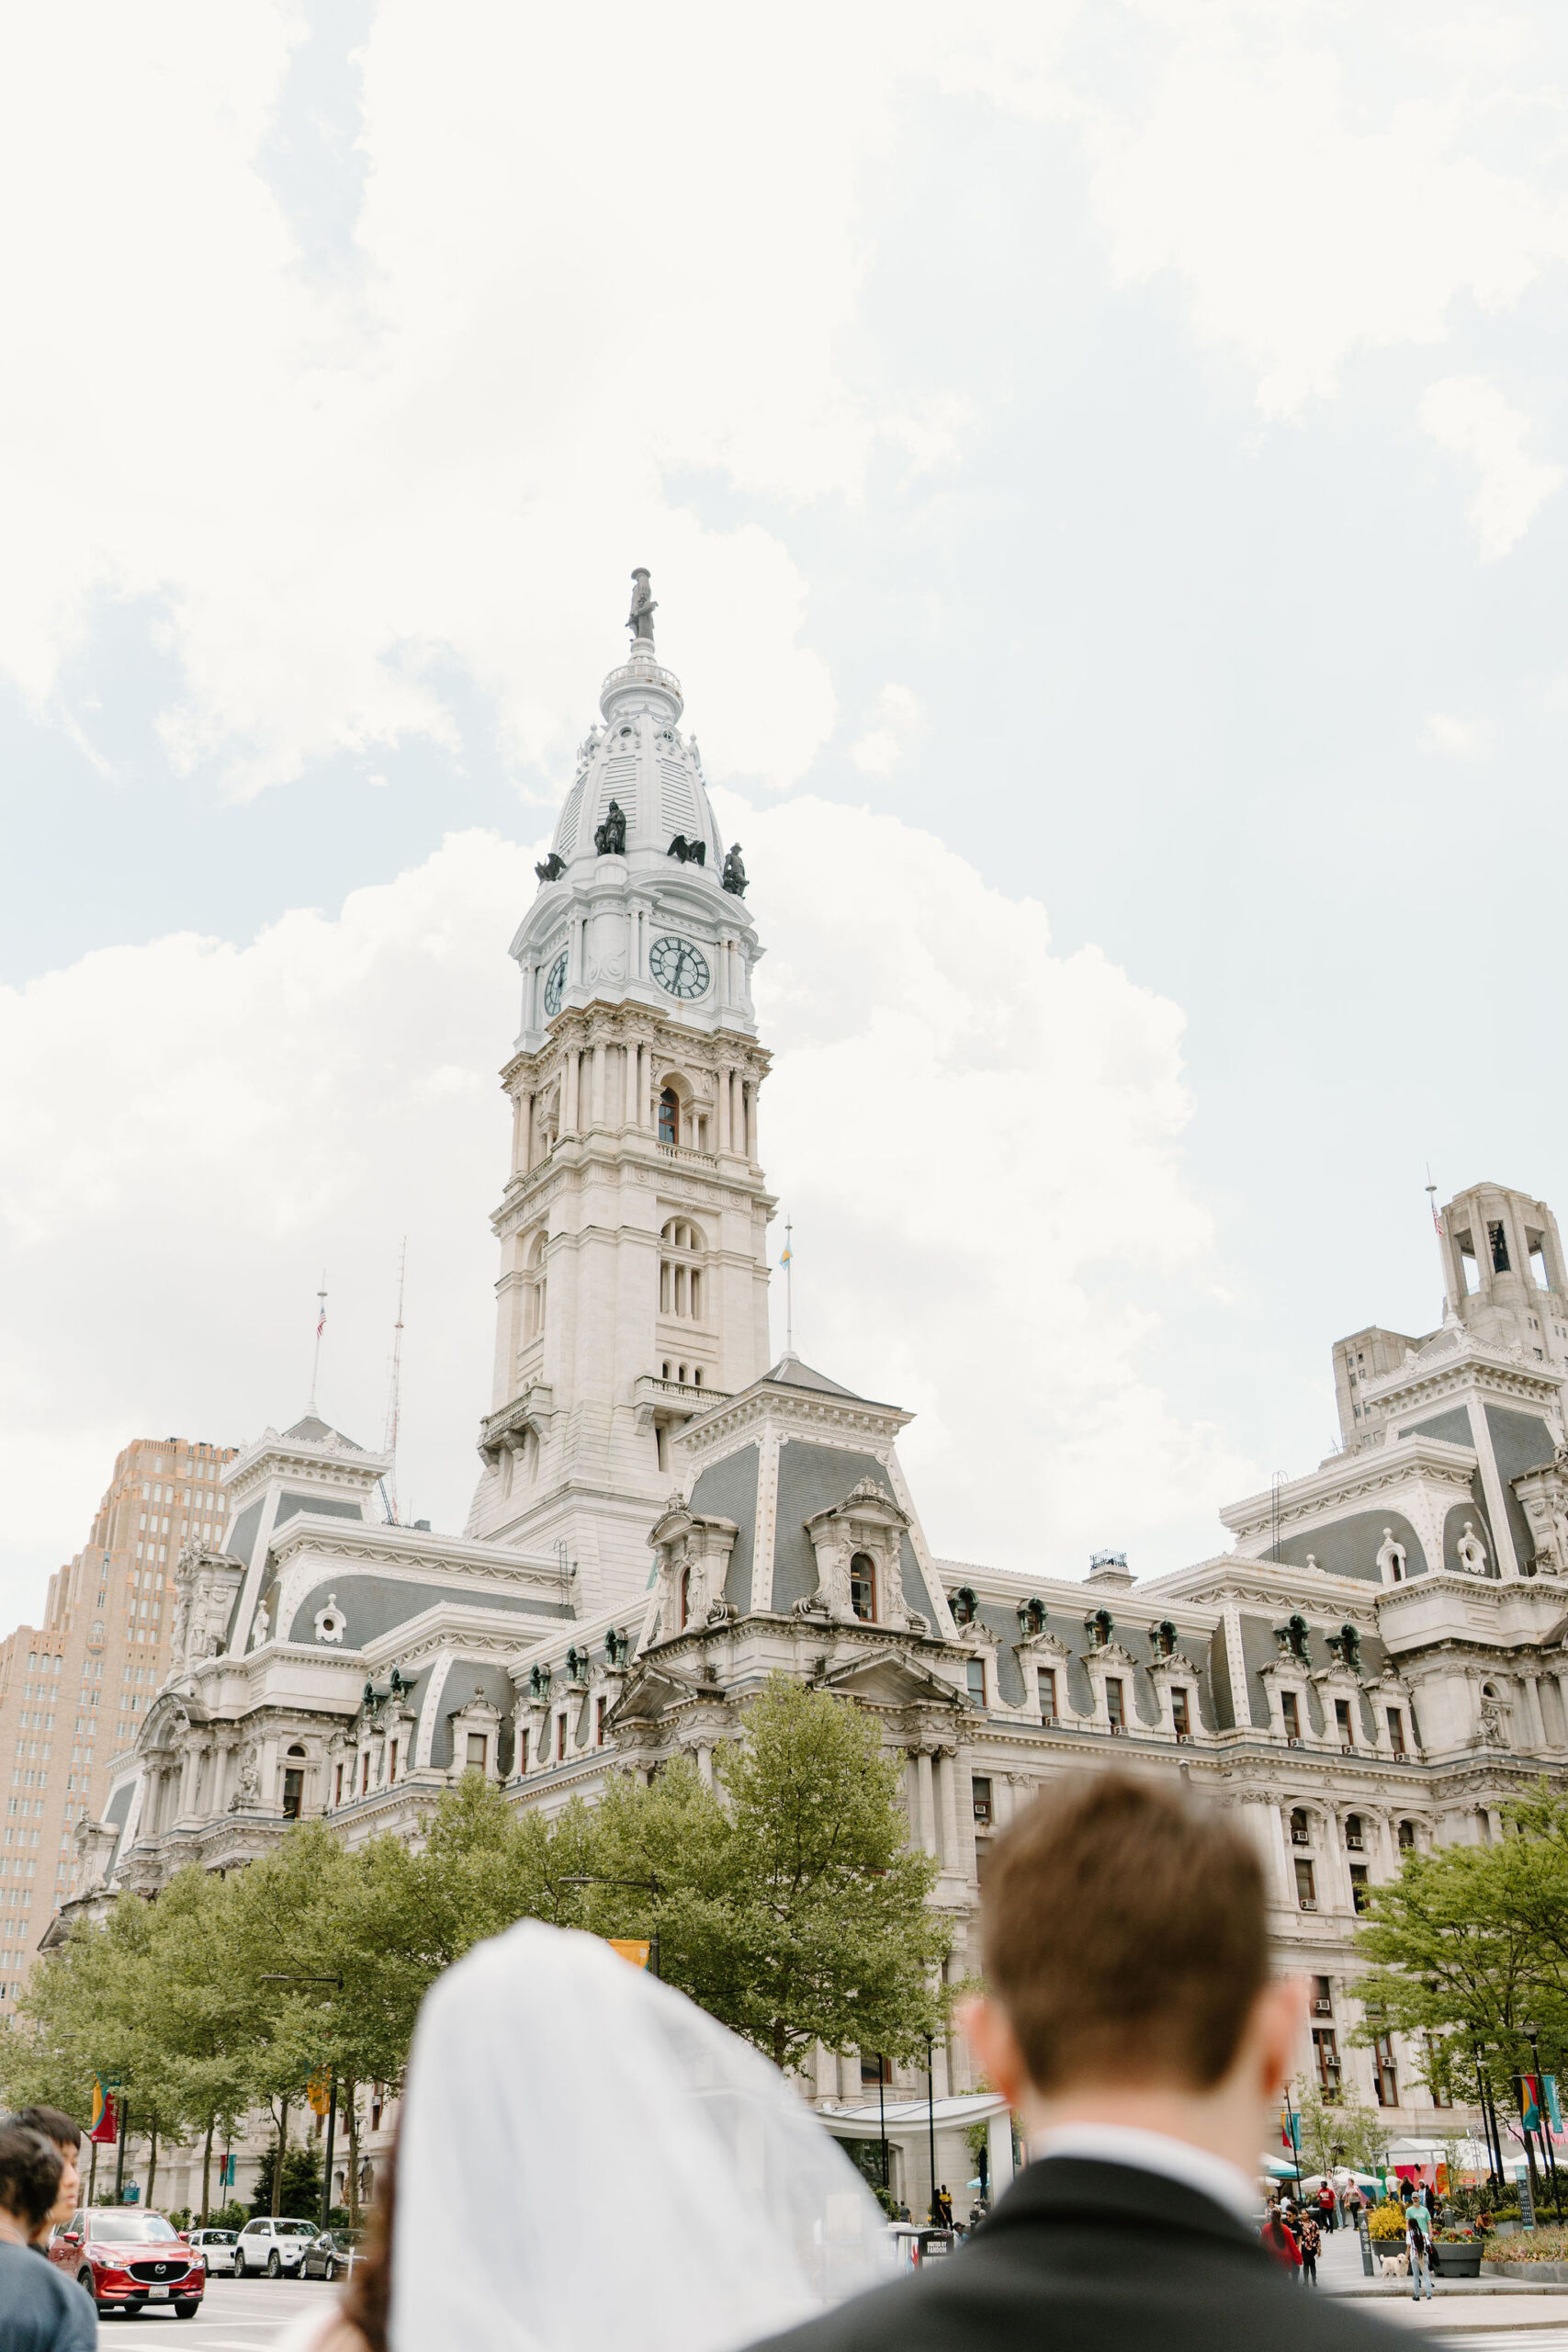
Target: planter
[[1459, 2261], [1544, 2274]]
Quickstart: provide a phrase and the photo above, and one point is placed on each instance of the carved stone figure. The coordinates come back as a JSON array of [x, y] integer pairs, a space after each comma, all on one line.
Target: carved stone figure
[[249, 1790], [734, 871], [1471, 1550], [552, 869], [640, 620], [1494, 1733], [693, 852], [609, 838], [1392, 1558], [261, 1626]]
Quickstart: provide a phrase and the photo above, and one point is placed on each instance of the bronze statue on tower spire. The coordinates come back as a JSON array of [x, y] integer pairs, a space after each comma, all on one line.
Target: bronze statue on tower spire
[[640, 620]]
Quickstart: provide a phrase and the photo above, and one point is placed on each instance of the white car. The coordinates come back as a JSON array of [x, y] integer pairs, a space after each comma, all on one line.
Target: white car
[[276, 2246], [215, 2248]]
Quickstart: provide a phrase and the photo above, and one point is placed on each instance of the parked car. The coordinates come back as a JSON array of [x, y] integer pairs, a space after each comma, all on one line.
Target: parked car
[[127, 2259], [215, 2248], [272, 2244], [334, 2254]]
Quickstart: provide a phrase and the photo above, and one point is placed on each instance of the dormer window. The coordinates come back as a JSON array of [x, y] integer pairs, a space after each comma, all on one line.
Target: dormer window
[[1181, 1714], [669, 1116], [1290, 1708], [862, 1587]]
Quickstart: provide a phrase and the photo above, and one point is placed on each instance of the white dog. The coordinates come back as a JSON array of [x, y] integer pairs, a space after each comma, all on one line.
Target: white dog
[[1396, 2265]]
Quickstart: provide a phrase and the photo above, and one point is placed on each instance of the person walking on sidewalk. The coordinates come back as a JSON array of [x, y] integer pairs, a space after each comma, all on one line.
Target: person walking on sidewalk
[[1327, 2210], [1309, 2237], [1418, 2237]]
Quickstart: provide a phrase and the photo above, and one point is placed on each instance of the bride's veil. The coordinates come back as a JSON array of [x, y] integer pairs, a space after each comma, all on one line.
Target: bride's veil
[[587, 2157]]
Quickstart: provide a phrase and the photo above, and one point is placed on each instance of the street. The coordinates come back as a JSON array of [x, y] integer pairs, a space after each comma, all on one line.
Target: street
[[237, 2314]]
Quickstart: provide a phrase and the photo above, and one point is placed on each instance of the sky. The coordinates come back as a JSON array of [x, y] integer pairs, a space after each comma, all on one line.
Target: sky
[[1102, 473]]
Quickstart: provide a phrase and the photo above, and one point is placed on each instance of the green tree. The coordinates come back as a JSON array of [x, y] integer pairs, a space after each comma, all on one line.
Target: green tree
[[1344, 2130], [790, 1904]]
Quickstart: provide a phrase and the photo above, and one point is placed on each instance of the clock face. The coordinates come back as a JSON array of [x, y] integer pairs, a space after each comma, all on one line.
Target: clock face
[[555, 980], [679, 967]]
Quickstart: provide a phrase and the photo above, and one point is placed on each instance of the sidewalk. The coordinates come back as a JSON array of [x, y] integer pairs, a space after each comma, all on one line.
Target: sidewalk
[[1477, 2313]]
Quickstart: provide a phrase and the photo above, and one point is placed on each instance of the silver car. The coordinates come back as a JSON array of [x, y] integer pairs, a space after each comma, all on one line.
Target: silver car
[[215, 2248]]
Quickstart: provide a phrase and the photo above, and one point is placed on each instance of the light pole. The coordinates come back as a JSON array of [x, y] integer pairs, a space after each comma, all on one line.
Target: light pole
[[931, 2128], [1488, 2126], [331, 2095], [1541, 2132], [882, 2122]]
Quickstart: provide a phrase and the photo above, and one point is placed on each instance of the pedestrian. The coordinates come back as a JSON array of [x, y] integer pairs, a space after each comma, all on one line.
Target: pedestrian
[[941, 2209], [40, 2309], [1327, 2211], [1133, 2023], [51, 2124], [1418, 2238], [1282, 2241], [718, 2210], [1309, 2239]]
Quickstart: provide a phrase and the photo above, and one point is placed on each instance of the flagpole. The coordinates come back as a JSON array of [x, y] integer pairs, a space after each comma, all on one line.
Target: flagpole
[[321, 1327], [1448, 1298]]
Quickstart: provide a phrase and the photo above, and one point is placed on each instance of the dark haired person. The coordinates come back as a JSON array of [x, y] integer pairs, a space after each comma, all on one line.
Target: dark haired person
[[40, 2309], [50, 2123], [1134, 2027]]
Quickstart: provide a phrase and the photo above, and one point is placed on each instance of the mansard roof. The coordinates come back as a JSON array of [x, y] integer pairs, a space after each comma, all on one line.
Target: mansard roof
[[310, 1430]]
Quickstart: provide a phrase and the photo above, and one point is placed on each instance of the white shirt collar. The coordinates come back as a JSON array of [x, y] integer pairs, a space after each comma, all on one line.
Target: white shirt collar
[[1125, 2143]]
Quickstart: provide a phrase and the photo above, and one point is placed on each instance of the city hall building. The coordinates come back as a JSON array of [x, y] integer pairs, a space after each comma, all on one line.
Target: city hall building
[[662, 1518]]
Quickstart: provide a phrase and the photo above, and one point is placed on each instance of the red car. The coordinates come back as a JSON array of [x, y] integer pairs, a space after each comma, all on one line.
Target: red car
[[126, 2259]]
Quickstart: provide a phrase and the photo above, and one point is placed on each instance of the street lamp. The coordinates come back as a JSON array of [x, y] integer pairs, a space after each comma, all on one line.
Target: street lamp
[[332, 2101], [931, 2128], [592, 1879], [1529, 2031], [1489, 2130]]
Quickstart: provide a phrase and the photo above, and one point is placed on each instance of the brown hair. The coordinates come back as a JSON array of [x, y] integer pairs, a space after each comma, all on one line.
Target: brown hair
[[1124, 1934], [367, 2299]]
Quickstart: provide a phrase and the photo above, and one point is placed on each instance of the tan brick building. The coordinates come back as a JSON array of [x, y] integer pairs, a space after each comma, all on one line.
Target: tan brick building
[[73, 1690]]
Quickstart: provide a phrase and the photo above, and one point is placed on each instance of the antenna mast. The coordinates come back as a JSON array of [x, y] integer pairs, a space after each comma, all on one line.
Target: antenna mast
[[321, 1327], [389, 1435]]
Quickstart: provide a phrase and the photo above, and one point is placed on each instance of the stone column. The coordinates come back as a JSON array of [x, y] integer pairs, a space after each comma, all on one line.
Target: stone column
[[634, 1089], [721, 1136], [704, 1763], [927, 1808], [596, 1100], [952, 1852], [569, 1091]]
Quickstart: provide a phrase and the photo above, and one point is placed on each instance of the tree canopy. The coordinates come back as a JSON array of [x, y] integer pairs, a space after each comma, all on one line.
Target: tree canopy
[[1470, 1945]]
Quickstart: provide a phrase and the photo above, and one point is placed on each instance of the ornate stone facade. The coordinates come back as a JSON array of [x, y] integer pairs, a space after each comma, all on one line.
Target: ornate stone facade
[[662, 1520]]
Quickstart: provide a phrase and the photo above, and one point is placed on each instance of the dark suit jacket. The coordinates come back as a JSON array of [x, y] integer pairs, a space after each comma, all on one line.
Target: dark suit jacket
[[1080, 2255]]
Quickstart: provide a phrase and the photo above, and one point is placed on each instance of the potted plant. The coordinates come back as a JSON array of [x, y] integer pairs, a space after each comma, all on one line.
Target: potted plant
[[1457, 2251]]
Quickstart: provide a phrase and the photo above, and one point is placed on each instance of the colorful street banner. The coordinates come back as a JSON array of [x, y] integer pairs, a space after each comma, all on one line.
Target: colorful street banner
[[630, 1947], [105, 2125], [1553, 2111], [1529, 2103], [319, 2091]]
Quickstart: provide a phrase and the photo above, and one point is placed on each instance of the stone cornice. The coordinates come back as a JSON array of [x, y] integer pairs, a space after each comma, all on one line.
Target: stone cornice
[[1350, 1479], [407, 1553]]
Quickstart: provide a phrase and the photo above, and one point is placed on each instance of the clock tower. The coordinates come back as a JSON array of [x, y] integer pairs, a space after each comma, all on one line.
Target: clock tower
[[632, 1289]]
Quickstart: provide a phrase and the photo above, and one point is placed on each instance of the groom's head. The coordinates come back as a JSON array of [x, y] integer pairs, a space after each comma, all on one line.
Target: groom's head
[[1126, 1952]]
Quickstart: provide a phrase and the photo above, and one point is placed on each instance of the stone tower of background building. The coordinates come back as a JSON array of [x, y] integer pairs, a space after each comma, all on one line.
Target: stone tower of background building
[[73, 1689], [632, 1289]]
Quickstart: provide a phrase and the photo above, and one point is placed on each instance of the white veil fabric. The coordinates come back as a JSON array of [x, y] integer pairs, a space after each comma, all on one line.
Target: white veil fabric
[[587, 2156]]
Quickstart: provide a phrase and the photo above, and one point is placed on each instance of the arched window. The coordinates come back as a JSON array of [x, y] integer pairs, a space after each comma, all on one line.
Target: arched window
[[669, 1116], [532, 1289], [1301, 1828], [1408, 1836], [293, 1783], [862, 1586], [682, 1278], [1355, 1841]]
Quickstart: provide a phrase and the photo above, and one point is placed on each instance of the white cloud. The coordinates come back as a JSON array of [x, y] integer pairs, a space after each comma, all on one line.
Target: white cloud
[[1458, 739], [1469, 417], [899, 721], [978, 1141], [1311, 204]]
